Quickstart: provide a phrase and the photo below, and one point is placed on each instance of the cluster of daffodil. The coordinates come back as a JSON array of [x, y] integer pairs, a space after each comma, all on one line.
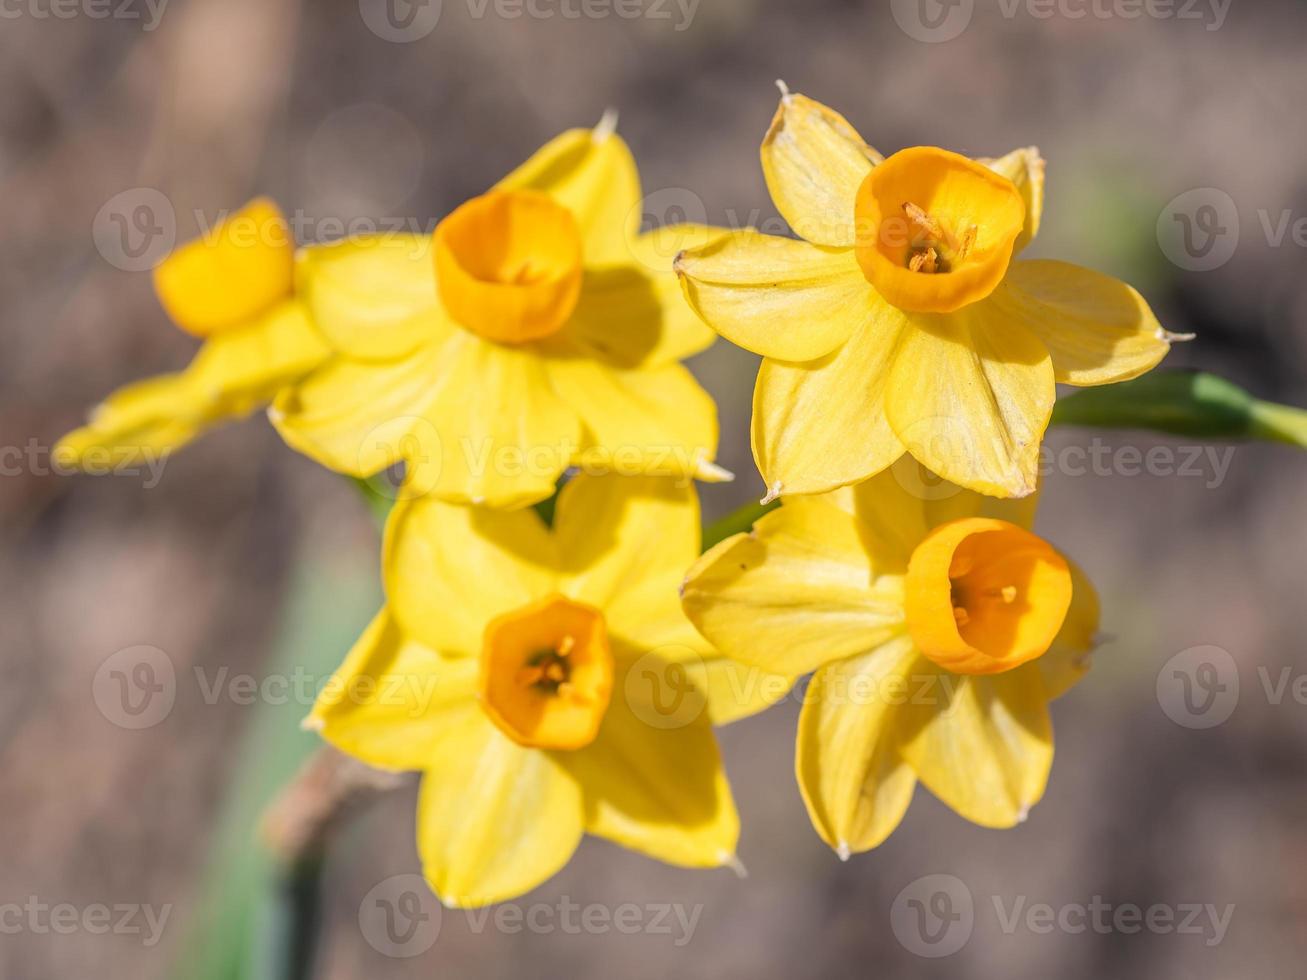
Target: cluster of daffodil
[[900, 331]]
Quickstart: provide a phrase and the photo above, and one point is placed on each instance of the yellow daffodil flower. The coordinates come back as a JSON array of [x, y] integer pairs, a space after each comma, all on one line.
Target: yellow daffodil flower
[[939, 630], [535, 330], [546, 683], [902, 321], [232, 288]]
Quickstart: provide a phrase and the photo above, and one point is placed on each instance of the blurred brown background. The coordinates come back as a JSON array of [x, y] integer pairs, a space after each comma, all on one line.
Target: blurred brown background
[[311, 103]]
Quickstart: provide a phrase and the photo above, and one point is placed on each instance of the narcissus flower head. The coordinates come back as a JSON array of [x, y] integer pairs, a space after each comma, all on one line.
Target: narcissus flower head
[[939, 626], [546, 683], [935, 230], [233, 287], [535, 330], [902, 320]]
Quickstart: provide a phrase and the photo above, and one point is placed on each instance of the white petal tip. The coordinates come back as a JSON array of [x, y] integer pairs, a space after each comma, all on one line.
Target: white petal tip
[[773, 493], [733, 862], [785, 91], [275, 414], [311, 724], [606, 126], [1024, 815], [478, 501], [1175, 338], [710, 472], [843, 852]]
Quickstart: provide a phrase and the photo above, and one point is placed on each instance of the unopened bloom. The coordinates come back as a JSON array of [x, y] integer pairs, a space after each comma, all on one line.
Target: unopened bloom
[[939, 629], [902, 322], [535, 330], [232, 288], [546, 683]]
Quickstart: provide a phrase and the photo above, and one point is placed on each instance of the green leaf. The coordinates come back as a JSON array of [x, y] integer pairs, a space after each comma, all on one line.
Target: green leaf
[[239, 933], [1184, 403]]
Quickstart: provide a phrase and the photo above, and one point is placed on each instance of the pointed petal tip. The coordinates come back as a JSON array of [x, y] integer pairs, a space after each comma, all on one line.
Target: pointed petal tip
[[773, 494], [1174, 338], [312, 724], [733, 862], [786, 96], [1024, 814], [843, 851], [710, 472], [606, 126]]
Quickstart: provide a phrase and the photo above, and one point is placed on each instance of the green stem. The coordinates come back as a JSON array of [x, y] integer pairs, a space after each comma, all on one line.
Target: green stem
[[1184, 403], [736, 522], [378, 503]]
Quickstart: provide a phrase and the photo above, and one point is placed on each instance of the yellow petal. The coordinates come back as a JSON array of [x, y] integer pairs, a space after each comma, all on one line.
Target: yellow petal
[[450, 570], [735, 690], [494, 819], [658, 790], [776, 296], [241, 370], [1097, 329], [233, 373], [240, 269], [138, 424], [1025, 168], [655, 421], [392, 697], [821, 425], [797, 592], [684, 676], [505, 435], [592, 174], [1067, 660], [361, 417], [635, 315], [624, 544], [986, 750], [899, 507], [372, 297], [854, 782], [970, 395], [814, 161]]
